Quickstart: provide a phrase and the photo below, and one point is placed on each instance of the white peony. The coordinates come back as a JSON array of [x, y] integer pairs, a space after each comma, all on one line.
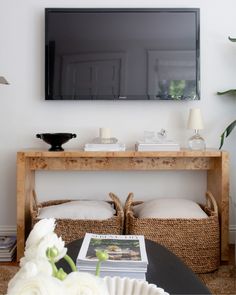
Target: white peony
[[40, 230], [40, 284], [79, 283], [38, 274], [34, 266], [39, 250]]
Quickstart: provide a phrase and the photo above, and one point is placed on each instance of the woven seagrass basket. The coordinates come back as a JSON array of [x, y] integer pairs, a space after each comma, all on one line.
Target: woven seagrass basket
[[195, 241], [73, 229]]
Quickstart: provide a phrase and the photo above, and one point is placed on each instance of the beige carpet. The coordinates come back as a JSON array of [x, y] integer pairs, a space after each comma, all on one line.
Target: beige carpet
[[6, 273], [220, 282]]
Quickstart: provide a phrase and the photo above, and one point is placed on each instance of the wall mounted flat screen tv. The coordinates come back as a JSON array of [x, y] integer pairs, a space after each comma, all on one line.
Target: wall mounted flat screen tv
[[122, 54]]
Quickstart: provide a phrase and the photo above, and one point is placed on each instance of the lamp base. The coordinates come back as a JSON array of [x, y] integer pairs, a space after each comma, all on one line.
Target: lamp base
[[196, 142]]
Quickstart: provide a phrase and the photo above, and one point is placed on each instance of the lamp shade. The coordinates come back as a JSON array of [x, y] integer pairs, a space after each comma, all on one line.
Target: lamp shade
[[3, 80], [195, 119]]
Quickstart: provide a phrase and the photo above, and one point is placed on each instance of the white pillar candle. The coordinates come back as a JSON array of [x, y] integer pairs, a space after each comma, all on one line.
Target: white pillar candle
[[104, 132]]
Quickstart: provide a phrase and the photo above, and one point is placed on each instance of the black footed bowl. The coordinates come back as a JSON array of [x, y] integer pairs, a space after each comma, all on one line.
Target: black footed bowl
[[56, 139]]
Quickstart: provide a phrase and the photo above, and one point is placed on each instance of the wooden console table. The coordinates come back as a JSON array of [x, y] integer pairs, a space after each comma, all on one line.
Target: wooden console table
[[215, 162]]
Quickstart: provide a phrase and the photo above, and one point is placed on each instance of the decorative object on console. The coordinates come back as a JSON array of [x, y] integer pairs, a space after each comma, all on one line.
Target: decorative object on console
[[104, 137], [167, 145], [103, 147], [105, 133], [196, 142], [56, 139], [3, 80], [105, 142], [156, 142], [162, 134]]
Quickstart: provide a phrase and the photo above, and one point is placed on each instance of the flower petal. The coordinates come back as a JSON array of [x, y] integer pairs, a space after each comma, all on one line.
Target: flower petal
[[40, 230]]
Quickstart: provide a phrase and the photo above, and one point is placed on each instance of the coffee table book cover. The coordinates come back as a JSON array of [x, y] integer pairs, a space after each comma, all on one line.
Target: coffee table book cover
[[127, 255]]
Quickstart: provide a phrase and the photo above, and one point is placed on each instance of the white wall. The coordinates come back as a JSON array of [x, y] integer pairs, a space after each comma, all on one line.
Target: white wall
[[25, 113]]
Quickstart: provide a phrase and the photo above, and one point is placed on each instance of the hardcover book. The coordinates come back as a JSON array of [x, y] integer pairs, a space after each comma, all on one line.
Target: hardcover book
[[113, 147], [167, 145]]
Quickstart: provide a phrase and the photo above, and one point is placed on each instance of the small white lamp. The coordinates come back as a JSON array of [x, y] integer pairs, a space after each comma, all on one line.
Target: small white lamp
[[3, 80], [196, 142]]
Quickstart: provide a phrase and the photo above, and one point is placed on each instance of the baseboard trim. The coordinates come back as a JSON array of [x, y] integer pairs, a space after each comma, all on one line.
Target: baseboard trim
[[7, 230]]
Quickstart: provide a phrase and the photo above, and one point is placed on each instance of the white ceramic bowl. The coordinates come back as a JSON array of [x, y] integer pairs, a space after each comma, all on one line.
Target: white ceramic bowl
[[127, 286]]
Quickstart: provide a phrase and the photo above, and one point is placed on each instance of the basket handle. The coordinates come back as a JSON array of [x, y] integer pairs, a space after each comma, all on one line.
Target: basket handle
[[128, 202], [128, 211], [211, 202], [33, 202], [120, 210], [116, 201]]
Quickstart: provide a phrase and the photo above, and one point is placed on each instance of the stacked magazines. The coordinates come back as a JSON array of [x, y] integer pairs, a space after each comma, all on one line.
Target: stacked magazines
[[7, 248], [127, 255]]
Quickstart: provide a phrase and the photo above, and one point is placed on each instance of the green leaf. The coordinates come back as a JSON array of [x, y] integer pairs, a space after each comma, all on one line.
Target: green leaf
[[222, 139], [230, 128], [232, 39], [227, 132], [230, 91]]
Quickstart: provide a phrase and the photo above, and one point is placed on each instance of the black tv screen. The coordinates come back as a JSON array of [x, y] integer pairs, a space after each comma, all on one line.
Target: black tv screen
[[122, 54]]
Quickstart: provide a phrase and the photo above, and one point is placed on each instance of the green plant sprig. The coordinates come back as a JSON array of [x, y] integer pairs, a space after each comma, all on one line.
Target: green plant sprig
[[102, 256], [231, 126], [227, 132], [52, 253]]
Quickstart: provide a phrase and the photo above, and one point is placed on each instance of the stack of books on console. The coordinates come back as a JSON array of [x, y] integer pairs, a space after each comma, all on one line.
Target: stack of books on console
[[127, 255], [112, 147], [7, 248], [166, 145]]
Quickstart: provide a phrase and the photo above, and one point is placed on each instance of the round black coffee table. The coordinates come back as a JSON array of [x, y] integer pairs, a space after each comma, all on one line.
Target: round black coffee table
[[165, 270]]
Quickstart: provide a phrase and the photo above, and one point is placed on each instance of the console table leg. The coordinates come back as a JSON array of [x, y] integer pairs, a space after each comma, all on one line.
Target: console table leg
[[25, 185], [218, 184]]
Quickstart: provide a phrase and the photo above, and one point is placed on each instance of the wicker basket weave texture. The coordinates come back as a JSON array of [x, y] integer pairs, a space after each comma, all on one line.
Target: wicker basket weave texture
[[70, 229], [195, 241]]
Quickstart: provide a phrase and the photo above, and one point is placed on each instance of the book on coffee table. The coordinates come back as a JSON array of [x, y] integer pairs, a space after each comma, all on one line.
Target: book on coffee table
[[127, 255]]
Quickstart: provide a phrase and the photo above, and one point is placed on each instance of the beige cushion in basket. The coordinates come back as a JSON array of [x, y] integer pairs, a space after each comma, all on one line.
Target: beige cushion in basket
[[83, 209], [169, 208]]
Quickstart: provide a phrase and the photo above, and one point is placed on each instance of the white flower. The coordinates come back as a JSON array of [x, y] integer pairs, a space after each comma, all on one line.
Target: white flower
[[41, 229], [39, 250], [37, 274], [34, 266], [79, 283], [40, 284], [35, 277]]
